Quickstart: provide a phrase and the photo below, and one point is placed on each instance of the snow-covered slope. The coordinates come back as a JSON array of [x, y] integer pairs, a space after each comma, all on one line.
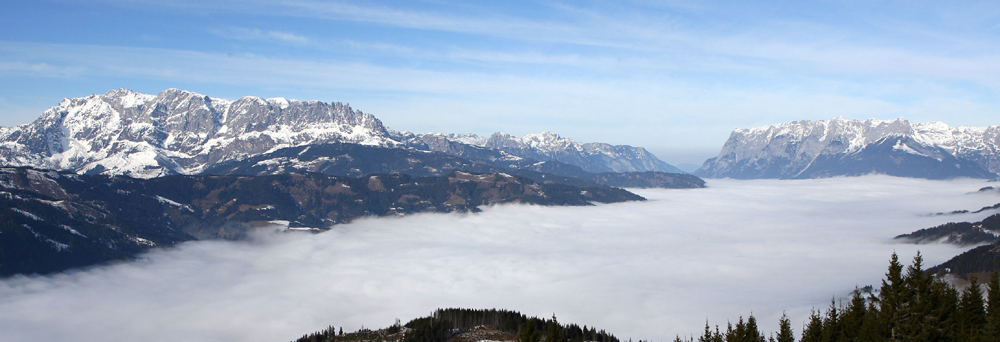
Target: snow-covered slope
[[791, 150], [124, 132], [176, 132], [546, 146]]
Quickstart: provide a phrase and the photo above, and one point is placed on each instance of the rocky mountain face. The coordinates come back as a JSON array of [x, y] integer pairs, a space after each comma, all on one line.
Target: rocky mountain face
[[545, 146], [176, 132], [180, 132], [841, 147], [52, 221]]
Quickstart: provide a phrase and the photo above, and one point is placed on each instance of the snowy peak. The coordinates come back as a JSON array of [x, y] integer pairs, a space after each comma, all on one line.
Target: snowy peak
[[786, 150], [176, 131], [123, 132], [546, 146]]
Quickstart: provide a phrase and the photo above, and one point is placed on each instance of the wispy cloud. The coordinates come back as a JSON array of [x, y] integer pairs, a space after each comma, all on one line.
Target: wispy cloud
[[560, 66], [40, 69], [243, 33]]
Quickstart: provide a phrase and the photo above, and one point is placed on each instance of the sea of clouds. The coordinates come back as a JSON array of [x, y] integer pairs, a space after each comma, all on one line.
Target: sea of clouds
[[641, 270]]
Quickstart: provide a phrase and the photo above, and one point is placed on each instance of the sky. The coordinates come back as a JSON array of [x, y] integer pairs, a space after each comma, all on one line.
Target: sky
[[641, 270], [675, 77]]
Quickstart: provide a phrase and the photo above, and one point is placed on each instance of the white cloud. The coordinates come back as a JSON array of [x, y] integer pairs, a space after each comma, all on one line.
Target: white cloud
[[243, 33], [646, 270]]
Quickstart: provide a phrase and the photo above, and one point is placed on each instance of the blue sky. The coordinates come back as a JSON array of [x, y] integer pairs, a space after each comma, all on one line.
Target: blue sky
[[673, 76]]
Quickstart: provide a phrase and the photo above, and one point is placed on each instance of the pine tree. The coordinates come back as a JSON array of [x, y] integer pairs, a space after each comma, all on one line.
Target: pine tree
[[917, 319], [732, 335], [853, 317], [813, 331], [831, 323], [555, 331], [750, 331], [529, 332], [972, 316], [890, 298], [707, 337], [992, 330], [785, 330], [871, 328]]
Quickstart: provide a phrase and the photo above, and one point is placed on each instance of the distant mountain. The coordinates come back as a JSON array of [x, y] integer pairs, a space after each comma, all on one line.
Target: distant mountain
[[355, 160], [841, 147], [545, 146], [52, 221], [176, 132], [123, 132]]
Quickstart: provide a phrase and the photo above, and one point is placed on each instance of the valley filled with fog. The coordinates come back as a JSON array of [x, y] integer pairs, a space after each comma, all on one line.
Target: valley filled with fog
[[641, 270]]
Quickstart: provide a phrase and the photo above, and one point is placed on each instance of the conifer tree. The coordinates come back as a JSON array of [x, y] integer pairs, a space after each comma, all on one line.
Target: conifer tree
[[785, 330], [871, 330], [890, 298], [972, 316], [853, 317], [831, 323], [734, 334], [992, 330], [555, 331], [750, 331], [707, 337], [917, 317], [529, 332], [813, 331]]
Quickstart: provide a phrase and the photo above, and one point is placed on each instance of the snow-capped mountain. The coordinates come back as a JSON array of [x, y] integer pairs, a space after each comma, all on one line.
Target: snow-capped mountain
[[545, 146], [841, 147], [124, 132]]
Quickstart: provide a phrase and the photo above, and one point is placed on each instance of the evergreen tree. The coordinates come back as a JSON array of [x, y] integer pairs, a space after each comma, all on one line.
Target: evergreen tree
[[992, 330], [750, 331], [708, 336], [917, 319], [871, 329], [972, 316], [813, 331], [731, 334], [853, 317], [555, 331], [785, 330], [831, 323], [890, 298], [529, 332]]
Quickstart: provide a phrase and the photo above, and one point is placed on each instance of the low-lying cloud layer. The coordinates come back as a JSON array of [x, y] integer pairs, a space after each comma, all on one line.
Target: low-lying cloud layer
[[646, 270]]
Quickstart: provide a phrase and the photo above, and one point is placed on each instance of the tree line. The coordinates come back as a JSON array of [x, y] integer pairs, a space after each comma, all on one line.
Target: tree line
[[911, 305]]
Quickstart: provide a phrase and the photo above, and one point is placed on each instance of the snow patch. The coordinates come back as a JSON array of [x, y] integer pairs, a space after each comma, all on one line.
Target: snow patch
[[29, 215]]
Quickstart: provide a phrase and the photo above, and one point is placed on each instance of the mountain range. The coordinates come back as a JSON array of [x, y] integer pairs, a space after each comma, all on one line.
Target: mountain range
[[841, 147], [123, 132], [108, 176], [52, 221]]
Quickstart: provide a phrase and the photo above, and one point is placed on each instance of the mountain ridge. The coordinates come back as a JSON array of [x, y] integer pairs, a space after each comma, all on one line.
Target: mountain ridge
[[123, 132], [52, 221], [791, 150]]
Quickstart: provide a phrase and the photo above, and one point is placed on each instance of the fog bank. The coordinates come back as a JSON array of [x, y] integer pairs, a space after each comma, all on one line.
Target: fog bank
[[643, 270]]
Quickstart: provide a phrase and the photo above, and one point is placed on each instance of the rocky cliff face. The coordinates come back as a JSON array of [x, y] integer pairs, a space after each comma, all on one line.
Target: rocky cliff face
[[807, 149], [176, 132]]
